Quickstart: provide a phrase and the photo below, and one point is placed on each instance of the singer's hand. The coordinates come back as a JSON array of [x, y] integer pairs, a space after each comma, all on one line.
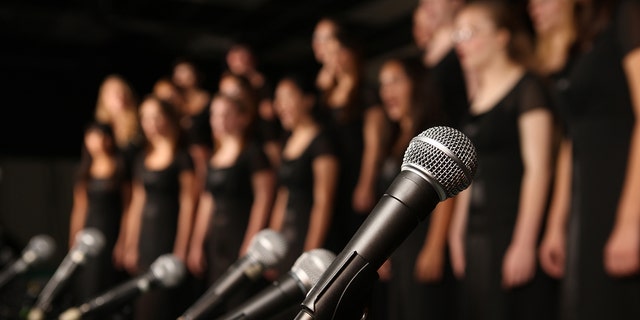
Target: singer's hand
[[384, 272], [196, 262], [429, 264], [622, 251], [552, 253], [518, 265], [131, 261], [118, 255], [363, 199]]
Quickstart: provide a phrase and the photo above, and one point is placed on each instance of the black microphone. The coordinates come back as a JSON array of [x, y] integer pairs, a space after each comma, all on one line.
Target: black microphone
[[165, 272], [286, 292], [438, 164], [267, 248], [40, 248], [88, 243]]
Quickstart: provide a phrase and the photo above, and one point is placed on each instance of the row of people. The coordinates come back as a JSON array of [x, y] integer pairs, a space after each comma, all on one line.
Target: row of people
[[508, 239]]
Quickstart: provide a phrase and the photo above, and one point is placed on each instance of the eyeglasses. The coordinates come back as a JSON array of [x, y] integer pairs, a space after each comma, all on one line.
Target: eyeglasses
[[462, 34]]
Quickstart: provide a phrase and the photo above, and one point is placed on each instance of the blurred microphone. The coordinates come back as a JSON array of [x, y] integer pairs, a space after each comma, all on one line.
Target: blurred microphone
[[88, 243], [267, 248], [286, 292], [438, 164], [39, 248], [165, 272]]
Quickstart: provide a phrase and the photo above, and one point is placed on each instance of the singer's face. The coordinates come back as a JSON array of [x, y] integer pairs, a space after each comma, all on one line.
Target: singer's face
[[184, 75], [290, 104], [95, 142], [153, 121], [114, 96], [395, 90], [548, 15], [476, 38], [322, 36], [225, 118]]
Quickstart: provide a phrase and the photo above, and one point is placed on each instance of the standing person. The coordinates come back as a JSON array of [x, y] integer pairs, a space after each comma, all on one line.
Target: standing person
[[308, 173], [194, 118], [100, 197], [162, 205], [354, 122], [593, 234], [238, 195], [498, 222], [420, 284], [117, 107]]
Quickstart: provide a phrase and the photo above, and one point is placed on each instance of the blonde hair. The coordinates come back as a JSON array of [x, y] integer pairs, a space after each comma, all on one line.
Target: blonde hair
[[130, 127]]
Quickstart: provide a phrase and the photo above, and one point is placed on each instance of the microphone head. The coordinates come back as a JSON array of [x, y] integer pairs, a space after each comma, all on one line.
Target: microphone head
[[168, 269], [445, 157], [89, 241], [310, 266], [39, 248], [268, 247]]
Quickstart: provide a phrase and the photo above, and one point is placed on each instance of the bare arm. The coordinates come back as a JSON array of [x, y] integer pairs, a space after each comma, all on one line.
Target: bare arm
[[430, 261], [325, 176], [364, 192], [622, 252], [552, 250], [195, 260], [535, 140], [133, 225], [263, 186], [279, 208], [457, 231], [185, 216], [78, 211]]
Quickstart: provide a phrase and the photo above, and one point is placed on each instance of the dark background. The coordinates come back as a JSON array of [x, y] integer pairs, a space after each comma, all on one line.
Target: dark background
[[55, 53]]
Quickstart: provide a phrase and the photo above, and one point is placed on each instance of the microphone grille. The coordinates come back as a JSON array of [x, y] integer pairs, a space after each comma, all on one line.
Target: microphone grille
[[445, 157], [310, 266], [168, 269], [90, 241], [268, 247], [41, 247]]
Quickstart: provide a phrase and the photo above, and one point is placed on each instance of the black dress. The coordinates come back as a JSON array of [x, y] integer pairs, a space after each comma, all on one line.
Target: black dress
[[296, 175], [104, 211], [232, 190], [599, 117], [495, 198], [158, 231], [450, 86]]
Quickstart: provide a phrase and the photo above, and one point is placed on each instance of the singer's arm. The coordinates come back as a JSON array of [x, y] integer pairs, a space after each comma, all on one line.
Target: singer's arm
[[204, 214], [185, 215], [622, 251], [134, 220], [519, 263], [325, 176], [119, 247], [552, 250], [364, 192], [457, 231], [263, 183], [78, 211], [431, 258]]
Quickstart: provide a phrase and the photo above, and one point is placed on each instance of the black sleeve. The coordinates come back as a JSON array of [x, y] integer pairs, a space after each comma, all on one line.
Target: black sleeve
[[534, 95], [258, 160], [184, 161], [322, 145], [628, 25]]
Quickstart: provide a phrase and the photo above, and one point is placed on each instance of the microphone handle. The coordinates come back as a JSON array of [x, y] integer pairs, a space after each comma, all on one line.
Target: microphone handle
[[284, 293], [228, 282], [119, 295], [58, 280], [11, 271]]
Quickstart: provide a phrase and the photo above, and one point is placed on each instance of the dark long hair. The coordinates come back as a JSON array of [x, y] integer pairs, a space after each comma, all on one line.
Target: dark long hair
[[592, 17]]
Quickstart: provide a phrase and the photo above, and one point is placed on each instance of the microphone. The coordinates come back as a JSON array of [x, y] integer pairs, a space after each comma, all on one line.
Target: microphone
[[288, 290], [39, 248], [438, 164], [267, 248], [88, 242], [165, 272]]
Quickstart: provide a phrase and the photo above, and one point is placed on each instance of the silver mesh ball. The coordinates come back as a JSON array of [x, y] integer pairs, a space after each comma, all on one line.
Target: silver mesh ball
[[310, 266], [39, 248], [168, 269], [268, 247], [445, 156], [90, 241]]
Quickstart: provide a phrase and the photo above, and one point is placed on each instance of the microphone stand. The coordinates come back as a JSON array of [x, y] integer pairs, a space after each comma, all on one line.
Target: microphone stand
[[349, 297]]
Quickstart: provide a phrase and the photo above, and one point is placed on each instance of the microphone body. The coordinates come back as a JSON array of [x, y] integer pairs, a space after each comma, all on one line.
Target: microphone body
[[89, 242], [266, 249], [286, 292], [432, 171], [166, 271], [39, 248]]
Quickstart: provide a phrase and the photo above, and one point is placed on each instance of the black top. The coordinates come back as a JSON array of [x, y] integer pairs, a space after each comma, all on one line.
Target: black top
[[448, 79], [296, 175], [232, 191], [161, 207], [198, 128], [599, 116]]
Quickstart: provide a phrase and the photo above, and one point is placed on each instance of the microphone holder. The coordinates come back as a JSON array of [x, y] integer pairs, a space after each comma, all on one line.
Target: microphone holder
[[349, 297]]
